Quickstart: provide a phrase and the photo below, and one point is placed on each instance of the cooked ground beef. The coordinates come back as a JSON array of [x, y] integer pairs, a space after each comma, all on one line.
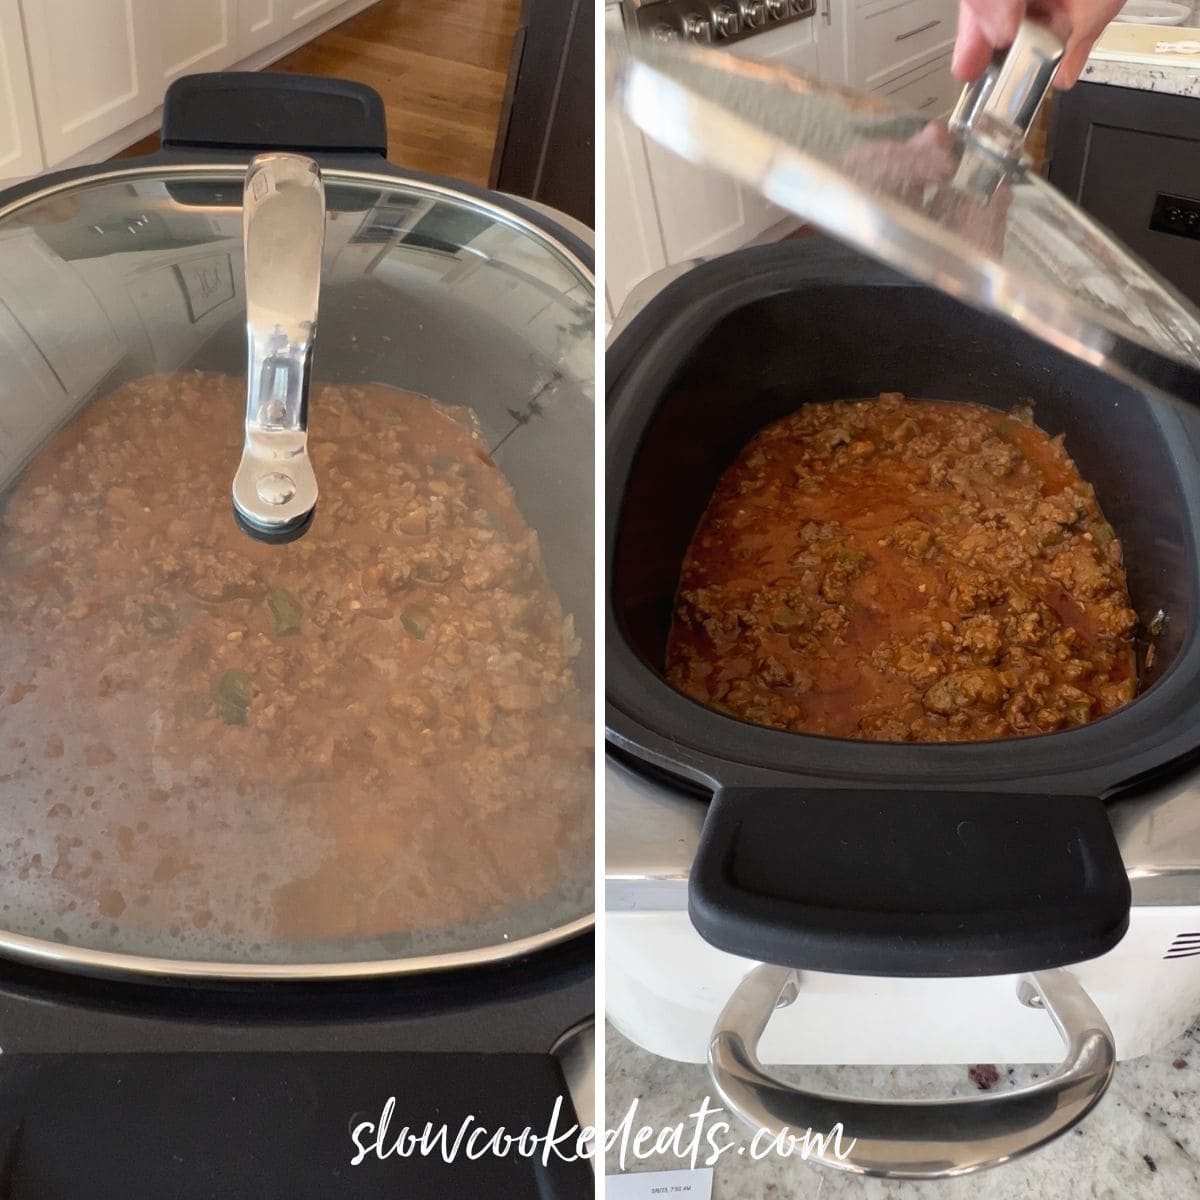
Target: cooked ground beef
[[904, 570], [375, 729]]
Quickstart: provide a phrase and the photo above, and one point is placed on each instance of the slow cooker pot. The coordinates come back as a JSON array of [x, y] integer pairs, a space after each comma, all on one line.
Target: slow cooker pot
[[435, 288], [907, 903]]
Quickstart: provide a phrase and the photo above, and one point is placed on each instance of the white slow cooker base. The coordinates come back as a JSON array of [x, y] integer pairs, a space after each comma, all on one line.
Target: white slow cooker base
[[666, 987]]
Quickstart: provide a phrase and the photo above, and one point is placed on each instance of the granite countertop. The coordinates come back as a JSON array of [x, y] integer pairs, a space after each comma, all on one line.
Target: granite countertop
[[1125, 57], [1176, 80], [1141, 1143]]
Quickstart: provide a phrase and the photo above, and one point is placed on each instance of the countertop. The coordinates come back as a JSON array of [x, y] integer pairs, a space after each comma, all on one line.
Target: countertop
[[1141, 1143], [1126, 56]]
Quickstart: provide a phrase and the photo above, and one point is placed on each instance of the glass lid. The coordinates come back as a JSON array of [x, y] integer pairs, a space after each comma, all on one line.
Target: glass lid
[[295, 575], [946, 202]]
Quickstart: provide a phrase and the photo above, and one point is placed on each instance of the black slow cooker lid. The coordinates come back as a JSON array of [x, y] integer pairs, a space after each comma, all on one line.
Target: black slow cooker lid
[[949, 203], [455, 337]]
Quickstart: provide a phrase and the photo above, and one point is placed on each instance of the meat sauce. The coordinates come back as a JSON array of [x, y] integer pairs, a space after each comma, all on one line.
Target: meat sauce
[[904, 570], [373, 730]]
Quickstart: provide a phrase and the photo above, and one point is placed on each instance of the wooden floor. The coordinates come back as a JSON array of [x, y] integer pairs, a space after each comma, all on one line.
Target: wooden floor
[[440, 68]]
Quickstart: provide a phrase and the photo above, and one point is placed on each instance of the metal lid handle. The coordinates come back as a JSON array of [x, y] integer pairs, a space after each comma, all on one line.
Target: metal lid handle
[[275, 489], [998, 108], [912, 1139]]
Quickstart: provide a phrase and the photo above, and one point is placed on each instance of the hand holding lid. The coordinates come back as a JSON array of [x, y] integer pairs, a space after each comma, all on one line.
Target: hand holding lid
[[949, 203], [997, 109], [275, 489]]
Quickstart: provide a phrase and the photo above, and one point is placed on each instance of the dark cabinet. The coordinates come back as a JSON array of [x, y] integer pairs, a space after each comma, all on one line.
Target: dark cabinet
[[545, 148], [1132, 159]]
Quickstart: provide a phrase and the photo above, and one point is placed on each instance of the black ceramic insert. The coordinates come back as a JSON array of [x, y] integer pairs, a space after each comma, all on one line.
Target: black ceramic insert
[[741, 341]]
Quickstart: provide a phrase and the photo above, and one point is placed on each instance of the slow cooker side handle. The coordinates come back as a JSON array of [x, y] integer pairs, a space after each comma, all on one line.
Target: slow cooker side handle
[[911, 883], [913, 1139], [249, 110]]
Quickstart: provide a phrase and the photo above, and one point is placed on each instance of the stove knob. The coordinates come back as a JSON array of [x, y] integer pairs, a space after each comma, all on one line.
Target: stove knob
[[697, 29], [777, 9], [662, 32], [726, 21], [802, 8], [753, 13]]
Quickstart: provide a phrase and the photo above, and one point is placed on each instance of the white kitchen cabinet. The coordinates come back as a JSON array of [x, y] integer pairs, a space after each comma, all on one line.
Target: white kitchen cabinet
[[930, 89], [20, 148], [831, 31], [82, 79], [698, 212], [259, 23], [300, 12], [891, 40], [701, 212], [634, 245], [201, 35], [661, 210], [896, 37], [93, 66]]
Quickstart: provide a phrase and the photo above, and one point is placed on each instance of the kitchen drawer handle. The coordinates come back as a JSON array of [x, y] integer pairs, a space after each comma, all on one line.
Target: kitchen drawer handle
[[913, 1139], [903, 37]]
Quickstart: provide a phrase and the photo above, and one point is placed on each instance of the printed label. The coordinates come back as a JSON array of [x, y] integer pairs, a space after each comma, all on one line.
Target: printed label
[[653, 1185]]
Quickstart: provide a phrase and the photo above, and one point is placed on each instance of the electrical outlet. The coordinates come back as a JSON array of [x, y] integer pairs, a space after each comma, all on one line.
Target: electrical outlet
[[1176, 214]]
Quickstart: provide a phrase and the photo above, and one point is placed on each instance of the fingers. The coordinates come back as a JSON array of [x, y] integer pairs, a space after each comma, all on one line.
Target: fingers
[[972, 50], [998, 20], [987, 25], [983, 26], [1073, 61], [1090, 22]]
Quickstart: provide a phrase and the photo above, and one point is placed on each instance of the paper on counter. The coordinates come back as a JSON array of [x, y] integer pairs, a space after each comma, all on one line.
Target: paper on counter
[[660, 1185]]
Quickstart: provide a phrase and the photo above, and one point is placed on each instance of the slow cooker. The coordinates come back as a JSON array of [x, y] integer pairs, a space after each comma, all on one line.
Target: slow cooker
[[195, 1054], [898, 903]]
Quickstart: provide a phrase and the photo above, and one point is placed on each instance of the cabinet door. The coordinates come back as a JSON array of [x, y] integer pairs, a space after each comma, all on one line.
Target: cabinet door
[[94, 69], [260, 22], [200, 35], [798, 47], [931, 89], [1132, 160], [20, 150], [893, 37], [299, 12], [634, 247], [701, 212], [831, 33]]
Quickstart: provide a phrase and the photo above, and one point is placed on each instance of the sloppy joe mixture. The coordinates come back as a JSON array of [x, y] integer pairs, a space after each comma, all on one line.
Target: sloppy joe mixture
[[904, 570], [375, 729]]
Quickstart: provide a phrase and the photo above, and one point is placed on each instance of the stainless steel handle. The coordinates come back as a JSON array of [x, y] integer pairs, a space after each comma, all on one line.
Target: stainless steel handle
[[827, 11], [997, 109], [283, 222], [903, 37], [913, 1139]]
